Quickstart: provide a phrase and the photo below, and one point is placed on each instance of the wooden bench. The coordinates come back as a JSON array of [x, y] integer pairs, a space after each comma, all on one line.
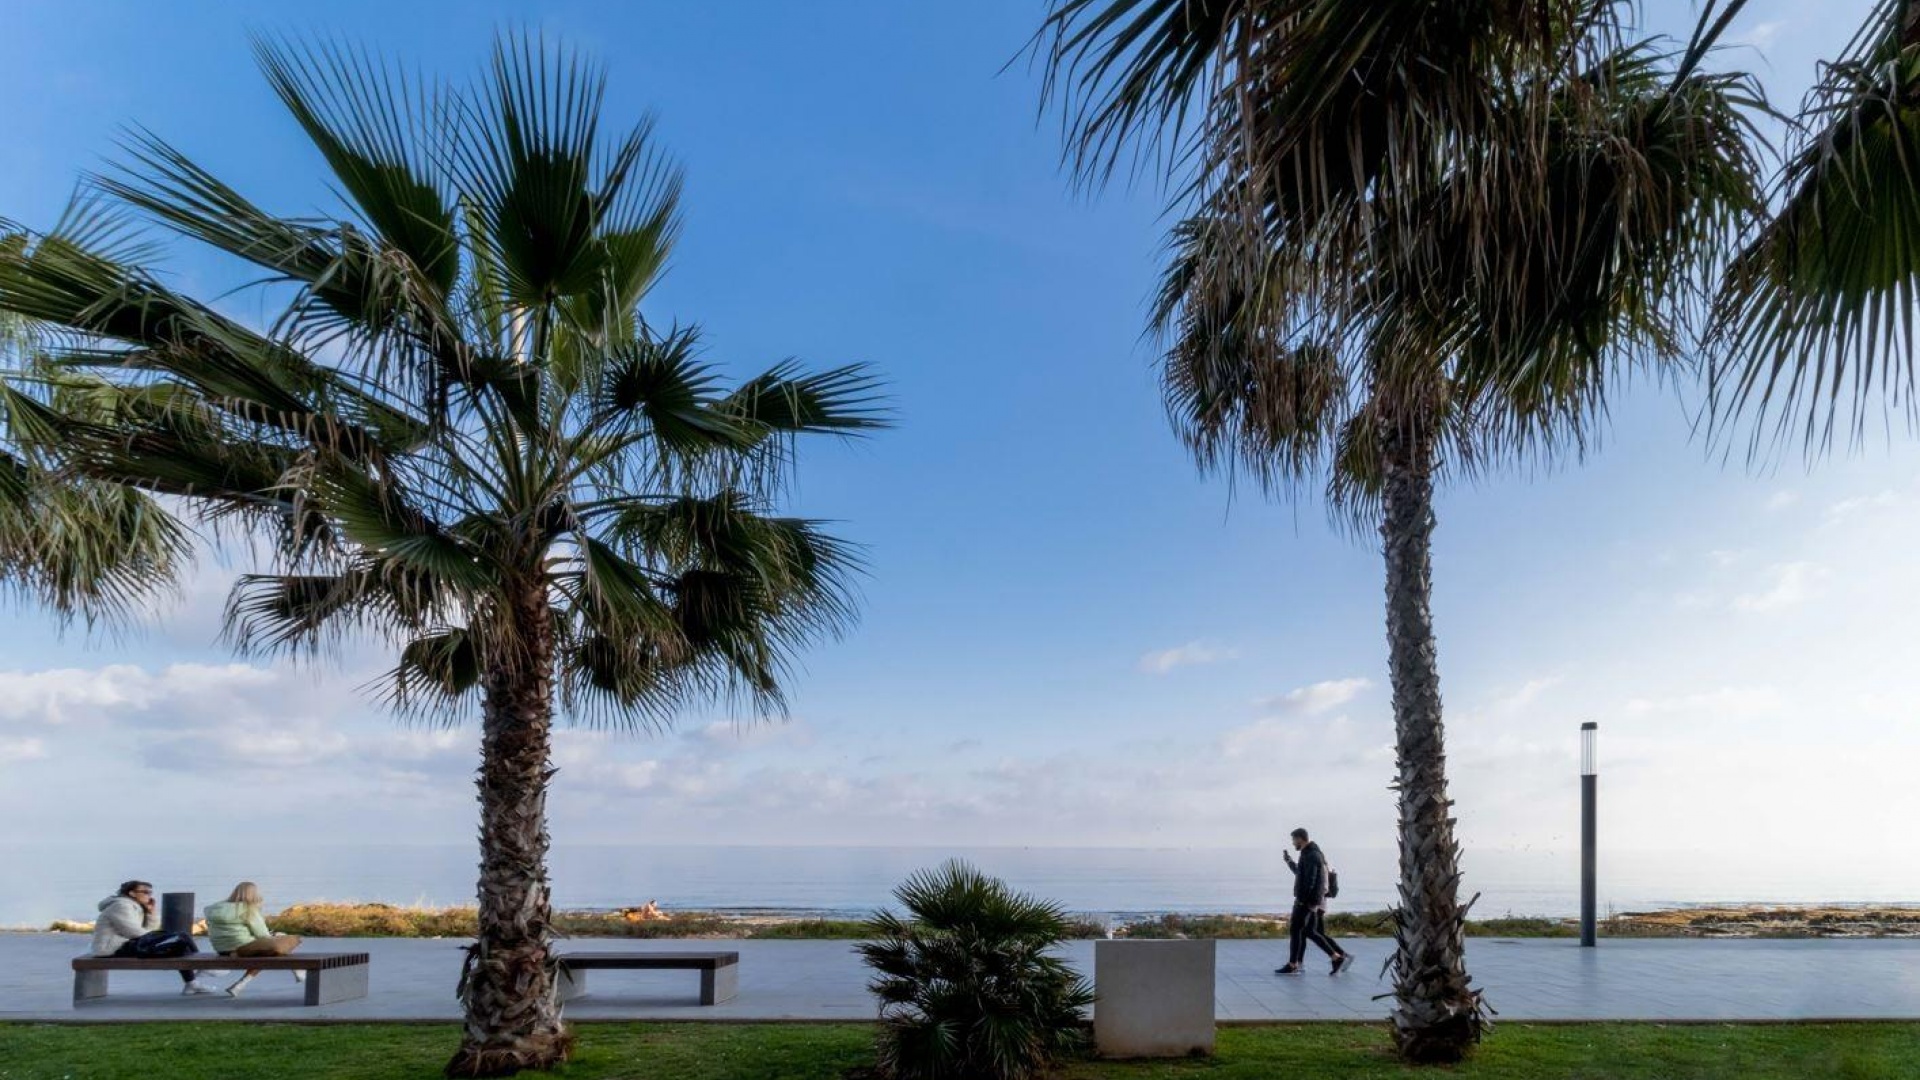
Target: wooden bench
[[719, 971], [331, 977]]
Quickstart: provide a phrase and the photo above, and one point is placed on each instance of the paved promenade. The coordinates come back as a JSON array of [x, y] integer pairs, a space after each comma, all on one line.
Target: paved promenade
[[823, 980]]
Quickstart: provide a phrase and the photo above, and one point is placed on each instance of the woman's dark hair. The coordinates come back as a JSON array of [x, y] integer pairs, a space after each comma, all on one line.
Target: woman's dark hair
[[1300, 834], [127, 887]]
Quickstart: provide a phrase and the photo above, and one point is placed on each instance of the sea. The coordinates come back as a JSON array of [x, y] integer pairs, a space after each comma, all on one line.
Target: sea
[[40, 882]]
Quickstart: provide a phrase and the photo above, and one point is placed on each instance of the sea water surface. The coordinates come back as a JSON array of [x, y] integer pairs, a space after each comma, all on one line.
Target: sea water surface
[[41, 882]]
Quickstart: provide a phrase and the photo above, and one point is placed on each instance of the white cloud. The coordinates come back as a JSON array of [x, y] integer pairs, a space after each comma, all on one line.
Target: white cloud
[[1188, 655], [732, 736], [203, 717], [247, 743], [21, 749], [1316, 698], [123, 691], [1782, 499], [1525, 694], [1760, 36], [1858, 504], [1724, 703], [1789, 584]]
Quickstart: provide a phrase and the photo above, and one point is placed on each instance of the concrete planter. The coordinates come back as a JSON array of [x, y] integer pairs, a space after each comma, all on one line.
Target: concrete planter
[[1153, 998]]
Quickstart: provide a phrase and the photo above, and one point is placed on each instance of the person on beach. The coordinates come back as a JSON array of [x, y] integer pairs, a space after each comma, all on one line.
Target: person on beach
[[236, 928], [129, 926], [1312, 881]]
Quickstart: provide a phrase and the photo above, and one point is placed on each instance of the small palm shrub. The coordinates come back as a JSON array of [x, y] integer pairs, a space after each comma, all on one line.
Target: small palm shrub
[[968, 987]]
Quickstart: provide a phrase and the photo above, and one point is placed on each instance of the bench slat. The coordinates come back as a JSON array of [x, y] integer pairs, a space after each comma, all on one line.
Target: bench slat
[[212, 962], [696, 961]]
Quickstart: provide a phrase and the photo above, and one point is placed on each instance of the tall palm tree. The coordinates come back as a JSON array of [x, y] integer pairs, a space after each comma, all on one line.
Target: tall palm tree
[[461, 436], [1816, 318], [1422, 238]]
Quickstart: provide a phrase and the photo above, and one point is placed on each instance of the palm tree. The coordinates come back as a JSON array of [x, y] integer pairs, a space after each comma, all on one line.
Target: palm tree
[[1420, 239], [461, 436], [1816, 317]]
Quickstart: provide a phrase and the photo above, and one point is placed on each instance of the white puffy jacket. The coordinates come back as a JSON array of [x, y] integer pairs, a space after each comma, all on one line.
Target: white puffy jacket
[[121, 920]]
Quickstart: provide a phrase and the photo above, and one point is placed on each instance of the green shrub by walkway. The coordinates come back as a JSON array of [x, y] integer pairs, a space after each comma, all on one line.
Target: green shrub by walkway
[[221, 1051]]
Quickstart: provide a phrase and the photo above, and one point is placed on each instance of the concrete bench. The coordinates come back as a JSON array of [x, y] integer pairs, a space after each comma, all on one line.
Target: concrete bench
[[719, 971], [331, 977]]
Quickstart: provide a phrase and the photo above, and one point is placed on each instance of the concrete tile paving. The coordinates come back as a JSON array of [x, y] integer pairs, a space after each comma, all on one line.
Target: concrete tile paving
[[413, 980]]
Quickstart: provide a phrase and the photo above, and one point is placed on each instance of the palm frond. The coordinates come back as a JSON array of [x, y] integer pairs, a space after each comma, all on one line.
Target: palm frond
[[1816, 320], [527, 162], [658, 385], [378, 129], [302, 613], [436, 677], [788, 401], [1128, 75], [83, 549]]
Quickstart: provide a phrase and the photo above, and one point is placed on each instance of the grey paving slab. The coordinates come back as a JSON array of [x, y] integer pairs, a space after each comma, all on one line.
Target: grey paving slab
[[413, 980]]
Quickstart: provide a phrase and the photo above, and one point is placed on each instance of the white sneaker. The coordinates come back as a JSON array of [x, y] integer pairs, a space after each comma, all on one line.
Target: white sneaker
[[198, 986], [234, 990], [299, 976]]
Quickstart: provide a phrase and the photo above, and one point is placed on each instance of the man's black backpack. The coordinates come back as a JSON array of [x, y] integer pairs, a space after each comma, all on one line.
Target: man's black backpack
[[1333, 883]]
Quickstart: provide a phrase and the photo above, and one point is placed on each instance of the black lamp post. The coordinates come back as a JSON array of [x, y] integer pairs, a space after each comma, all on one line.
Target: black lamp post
[[1589, 811]]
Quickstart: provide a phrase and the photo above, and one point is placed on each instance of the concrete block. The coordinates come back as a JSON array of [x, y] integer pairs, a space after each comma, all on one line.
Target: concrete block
[[719, 984], [1153, 998], [89, 984], [328, 985]]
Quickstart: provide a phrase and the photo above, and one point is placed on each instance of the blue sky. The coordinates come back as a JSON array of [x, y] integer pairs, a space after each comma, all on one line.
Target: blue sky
[[1069, 637]]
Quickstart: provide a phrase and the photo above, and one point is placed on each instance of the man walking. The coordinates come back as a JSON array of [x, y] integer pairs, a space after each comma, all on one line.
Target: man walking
[[1311, 883]]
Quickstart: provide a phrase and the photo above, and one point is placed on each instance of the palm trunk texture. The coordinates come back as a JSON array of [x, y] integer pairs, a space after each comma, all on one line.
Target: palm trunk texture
[[1437, 1016], [513, 1019]]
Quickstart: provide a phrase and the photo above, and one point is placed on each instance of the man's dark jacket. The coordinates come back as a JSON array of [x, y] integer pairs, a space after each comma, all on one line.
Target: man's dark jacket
[[1310, 877]]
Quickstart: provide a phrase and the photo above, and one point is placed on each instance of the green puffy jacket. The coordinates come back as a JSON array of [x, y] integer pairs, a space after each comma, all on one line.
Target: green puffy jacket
[[231, 924]]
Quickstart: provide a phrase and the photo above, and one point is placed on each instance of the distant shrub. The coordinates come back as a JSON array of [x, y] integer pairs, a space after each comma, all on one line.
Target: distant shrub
[[1339, 924], [613, 924], [967, 985], [1222, 927], [375, 920], [1084, 928], [1360, 923], [812, 930], [1516, 926], [388, 920]]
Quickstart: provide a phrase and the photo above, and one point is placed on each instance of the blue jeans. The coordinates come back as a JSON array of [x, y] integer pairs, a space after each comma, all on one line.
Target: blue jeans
[[160, 945]]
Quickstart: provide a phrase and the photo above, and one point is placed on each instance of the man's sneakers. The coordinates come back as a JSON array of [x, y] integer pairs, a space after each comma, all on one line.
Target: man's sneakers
[[234, 990], [299, 976], [1340, 964], [199, 986]]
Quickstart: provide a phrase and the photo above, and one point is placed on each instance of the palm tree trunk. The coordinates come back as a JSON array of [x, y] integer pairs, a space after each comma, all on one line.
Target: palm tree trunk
[[513, 1019], [1437, 1016]]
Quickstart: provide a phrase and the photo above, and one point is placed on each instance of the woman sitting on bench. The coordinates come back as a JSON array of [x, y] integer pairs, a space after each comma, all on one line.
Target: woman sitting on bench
[[236, 929]]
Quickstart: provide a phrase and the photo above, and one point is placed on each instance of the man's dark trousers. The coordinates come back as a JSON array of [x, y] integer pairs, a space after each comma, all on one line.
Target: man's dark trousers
[[1308, 924], [160, 945]]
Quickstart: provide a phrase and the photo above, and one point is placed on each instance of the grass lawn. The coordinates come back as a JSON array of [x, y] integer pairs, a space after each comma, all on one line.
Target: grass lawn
[[826, 1051]]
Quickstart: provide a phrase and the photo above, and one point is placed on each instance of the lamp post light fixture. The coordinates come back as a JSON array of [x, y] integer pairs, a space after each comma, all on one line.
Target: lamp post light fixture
[[1589, 812]]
